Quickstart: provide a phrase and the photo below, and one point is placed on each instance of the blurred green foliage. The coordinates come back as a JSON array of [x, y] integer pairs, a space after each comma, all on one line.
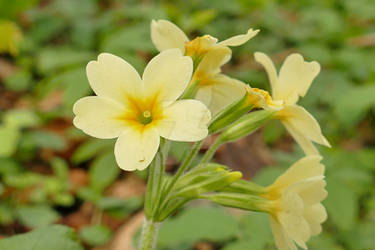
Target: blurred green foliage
[[43, 74]]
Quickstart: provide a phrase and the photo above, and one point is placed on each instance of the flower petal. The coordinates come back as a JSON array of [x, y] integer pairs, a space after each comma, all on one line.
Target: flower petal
[[185, 120], [283, 242], [166, 35], [311, 190], [306, 145], [315, 215], [220, 92], [270, 69], [302, 123], [306, 167], [98, 117], [167, 75], [295, 78], [213, 60], [112, 77], [239, 39], [135, 149], [292, 220], [296, 227], [262, 99]]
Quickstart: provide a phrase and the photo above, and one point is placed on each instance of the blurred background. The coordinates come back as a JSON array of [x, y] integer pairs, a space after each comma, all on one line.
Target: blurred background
[[50, 172]]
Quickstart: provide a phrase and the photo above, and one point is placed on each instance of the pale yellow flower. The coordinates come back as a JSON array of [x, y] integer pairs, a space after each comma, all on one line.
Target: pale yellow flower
[[166, 35], [262, 99], [293, 81], [214, 89], [296, 212], [139, 111]]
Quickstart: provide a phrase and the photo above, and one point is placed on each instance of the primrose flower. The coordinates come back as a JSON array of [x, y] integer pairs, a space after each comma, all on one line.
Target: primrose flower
[[214, 89], [139, 111], [293, 81], [166, 35], [296, 212]]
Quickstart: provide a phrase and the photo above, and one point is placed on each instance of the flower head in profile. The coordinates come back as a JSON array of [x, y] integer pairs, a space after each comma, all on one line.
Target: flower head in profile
[[296, 212], [166, 35], [214, 89], [140, 110], [292, 82]]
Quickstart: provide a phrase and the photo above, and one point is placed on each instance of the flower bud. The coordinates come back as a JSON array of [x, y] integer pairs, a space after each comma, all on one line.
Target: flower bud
[[242, 201], [230, 114], [245, 187], [213, 182], [246, 125]]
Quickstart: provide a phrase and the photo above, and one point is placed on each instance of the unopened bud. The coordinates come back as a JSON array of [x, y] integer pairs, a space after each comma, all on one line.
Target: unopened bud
[[230, 114], [246, 125]]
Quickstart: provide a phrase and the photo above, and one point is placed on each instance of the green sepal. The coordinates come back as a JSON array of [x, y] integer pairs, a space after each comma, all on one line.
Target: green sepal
[[245, 187], [243, 201], [246, 125], [190, 91], [198, 173], [210, 183], [230, 114]]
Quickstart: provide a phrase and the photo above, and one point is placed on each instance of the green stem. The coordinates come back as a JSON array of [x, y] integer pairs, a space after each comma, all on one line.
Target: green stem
[[155, 180], [186, 162], [151, 186], [211, 151], [149, 235]]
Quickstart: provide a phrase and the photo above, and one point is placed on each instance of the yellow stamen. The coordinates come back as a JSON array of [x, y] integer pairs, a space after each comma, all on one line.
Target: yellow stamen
[[145, 117]]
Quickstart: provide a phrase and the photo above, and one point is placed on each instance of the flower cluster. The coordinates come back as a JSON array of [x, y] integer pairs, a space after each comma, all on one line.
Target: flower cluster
[[184, 96]]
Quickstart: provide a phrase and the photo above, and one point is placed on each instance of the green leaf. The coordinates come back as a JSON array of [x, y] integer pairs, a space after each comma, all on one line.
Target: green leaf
[[89, 194], [103, 171], [6, 213], [73, 82], [46, 139], [60, 167], [21, 119], [267, 175], [91, 148], [52, 59], [119, 207], [198, 223], [54, 237], [323, 242], [130, 38], [37, 216], [9, 166], [19, 81], [244, 244], [361, 99], [341, 204], [75, 86], [22, 179], [11, 36], [256, 230], [9, 140], [96, 235]]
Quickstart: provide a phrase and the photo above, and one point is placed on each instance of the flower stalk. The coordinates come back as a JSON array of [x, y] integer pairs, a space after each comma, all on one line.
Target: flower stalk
[[149, 234]]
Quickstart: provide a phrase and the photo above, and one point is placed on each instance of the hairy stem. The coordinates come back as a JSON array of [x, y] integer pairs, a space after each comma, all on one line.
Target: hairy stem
[[186, 162], [211, 151], [149, 235]]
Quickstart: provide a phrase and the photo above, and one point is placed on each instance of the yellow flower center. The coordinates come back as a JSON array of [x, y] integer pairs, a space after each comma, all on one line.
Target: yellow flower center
[[145, 117], [142, 112], [199, 45], [262, 99], [203, 78], [267, 97]]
